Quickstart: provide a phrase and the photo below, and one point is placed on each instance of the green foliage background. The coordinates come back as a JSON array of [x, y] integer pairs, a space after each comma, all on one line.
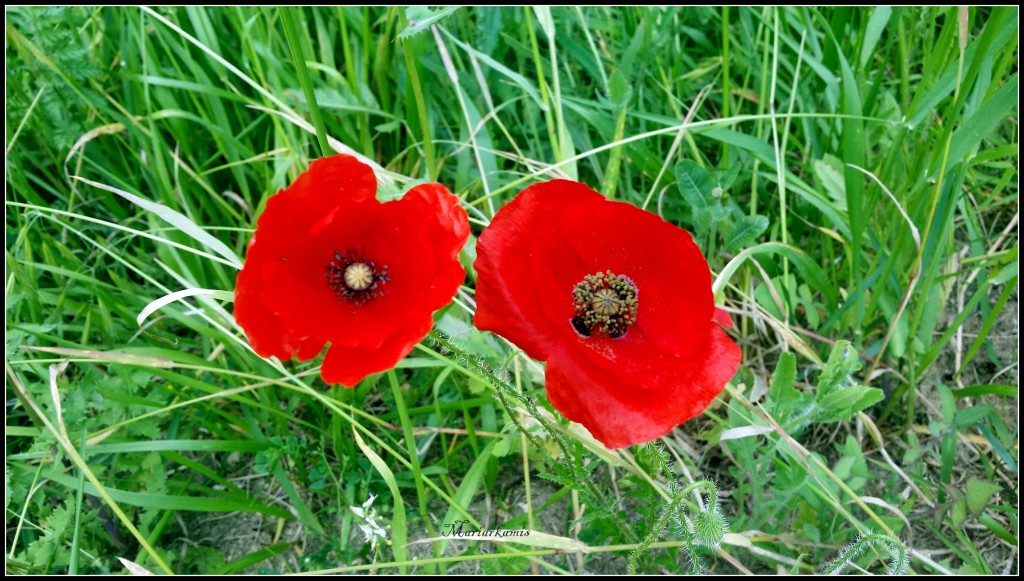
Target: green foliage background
[[851, 174]]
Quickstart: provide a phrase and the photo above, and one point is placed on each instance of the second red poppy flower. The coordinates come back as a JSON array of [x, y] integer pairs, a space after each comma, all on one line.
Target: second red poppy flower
[[616, 300]]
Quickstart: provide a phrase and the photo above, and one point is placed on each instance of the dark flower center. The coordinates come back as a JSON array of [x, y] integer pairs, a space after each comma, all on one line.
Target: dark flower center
[[605, 304], [355, 278]]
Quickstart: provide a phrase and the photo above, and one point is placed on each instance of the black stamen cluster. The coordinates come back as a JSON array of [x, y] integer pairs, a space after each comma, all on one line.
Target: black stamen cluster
[[334, 273]]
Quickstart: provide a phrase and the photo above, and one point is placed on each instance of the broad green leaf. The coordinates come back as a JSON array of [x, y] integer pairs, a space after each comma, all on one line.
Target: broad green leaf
[[745, 230], [619, 89], [972, 415], [978, 494], [504, 446], [997, 529], [876, 26], [843, 403], [958, 512], [853, 147], [782, 389], [727, 177], [695, 184], [759, 148], [841, 363], [1006, 273], [947, 404], [389, 127], [421, 18], [830, 176], [984, 120], [969, 391]]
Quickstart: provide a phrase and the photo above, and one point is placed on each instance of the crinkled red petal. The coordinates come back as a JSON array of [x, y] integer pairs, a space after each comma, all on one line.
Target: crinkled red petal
[[349, 364], [514, 266], [619, 413]]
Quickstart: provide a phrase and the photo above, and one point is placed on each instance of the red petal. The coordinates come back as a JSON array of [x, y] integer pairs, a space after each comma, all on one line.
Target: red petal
[[623, 414], [514, 266], [330, 185], [443, 238], [722, 318], [349, 364], [267, 334]]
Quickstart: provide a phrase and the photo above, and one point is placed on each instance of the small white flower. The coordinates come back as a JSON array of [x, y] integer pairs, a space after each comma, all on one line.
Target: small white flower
[[371, 529]]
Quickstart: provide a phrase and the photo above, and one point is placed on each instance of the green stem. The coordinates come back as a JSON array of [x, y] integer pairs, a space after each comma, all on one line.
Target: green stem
[[543, 86], [666, 516], [73, 565], [291, 31], [421, 108], [410, 444], [726, 81], [897, 565], [503, 388], [611, 179]]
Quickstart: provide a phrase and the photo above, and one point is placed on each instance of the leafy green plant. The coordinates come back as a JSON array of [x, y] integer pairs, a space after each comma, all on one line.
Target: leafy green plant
[[715, 222], [699, 530], [849, 172]]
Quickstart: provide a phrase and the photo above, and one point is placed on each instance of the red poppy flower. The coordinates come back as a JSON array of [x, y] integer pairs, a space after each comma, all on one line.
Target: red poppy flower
[[615, 299], [331, 264]]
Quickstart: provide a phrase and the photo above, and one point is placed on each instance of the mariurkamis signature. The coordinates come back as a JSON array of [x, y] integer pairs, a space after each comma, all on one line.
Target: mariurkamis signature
[[459, 528]]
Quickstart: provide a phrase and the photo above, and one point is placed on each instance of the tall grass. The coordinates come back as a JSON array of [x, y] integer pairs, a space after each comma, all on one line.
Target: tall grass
[[879, 143]]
